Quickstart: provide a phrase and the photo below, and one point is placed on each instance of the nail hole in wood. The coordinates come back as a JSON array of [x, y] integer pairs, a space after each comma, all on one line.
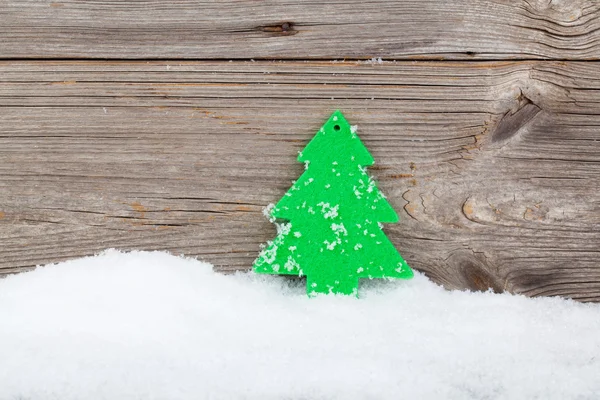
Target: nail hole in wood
[[282, 28]]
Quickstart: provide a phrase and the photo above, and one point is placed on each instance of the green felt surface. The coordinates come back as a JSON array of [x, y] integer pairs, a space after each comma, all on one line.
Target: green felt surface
[[331, 216]]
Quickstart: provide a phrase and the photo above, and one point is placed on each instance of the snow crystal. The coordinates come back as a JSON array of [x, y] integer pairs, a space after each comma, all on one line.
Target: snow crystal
[[371, 186], [270, 252], [328, 211], [297, 234], [284, 228], [339, 229], [154, 326], [290, 264], [357, 189], [375, 60], [353, 128], [330, 245], [267, 212]]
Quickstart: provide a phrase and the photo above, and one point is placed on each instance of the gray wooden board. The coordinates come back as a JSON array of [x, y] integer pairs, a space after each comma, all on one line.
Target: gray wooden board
[[307, 29], [494, 167]]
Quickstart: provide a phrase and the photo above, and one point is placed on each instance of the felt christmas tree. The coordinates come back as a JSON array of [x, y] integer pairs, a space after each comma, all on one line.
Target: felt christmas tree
[[334, 212]]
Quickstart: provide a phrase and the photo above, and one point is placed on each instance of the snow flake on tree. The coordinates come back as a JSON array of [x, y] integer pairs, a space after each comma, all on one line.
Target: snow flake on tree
[[334, 211]]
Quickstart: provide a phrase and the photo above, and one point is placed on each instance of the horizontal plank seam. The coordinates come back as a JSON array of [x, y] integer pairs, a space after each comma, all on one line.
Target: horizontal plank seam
[[293, 59]]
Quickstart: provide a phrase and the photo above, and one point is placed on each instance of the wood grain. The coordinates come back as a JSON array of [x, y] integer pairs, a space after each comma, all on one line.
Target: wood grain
[[351, 29], [494, 167]]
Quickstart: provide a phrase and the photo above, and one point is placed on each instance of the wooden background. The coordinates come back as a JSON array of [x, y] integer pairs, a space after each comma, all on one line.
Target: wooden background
[[145, 124]]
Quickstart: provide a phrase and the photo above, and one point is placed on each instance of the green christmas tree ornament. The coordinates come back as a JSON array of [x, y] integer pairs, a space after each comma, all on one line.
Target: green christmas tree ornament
[[333, 213]]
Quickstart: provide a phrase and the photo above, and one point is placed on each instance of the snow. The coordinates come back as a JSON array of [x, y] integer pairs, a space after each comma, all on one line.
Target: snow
[[149, 326], [375, 60], [267, 212], [329, 211]]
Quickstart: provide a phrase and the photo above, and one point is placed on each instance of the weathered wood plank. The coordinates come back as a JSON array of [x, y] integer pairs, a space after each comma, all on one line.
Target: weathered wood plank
[[493, 167], [352, 29]]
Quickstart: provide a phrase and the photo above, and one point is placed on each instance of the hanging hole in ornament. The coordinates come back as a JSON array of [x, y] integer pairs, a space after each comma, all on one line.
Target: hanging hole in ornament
[[336, 127]]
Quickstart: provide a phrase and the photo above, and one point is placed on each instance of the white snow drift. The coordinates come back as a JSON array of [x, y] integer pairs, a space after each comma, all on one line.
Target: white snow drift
[[154, 326]]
